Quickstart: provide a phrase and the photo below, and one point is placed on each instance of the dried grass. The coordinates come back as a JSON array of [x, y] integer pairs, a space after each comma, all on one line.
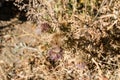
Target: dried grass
[[87, 32]]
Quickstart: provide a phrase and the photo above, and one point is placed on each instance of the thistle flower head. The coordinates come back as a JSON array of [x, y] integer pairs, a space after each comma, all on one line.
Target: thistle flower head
[[43, 27], [55, 53]]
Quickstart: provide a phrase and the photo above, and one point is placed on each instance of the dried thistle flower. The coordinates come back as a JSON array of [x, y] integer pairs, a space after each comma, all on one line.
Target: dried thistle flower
[[44, 27], [55, 53], [81, 65]]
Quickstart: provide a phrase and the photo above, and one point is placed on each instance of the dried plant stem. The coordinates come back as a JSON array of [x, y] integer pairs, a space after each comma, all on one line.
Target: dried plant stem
[[98, 67]]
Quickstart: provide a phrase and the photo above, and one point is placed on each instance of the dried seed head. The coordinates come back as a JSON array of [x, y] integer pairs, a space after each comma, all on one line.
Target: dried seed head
[[81, 65], [44, 27], [55, 53]]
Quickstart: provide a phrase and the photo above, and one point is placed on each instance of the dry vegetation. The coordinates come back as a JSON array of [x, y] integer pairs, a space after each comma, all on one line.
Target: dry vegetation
[[62, 40]]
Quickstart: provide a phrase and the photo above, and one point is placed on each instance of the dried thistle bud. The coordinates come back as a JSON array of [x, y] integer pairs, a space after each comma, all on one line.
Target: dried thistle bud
[[81, 65], [44, 27], [55, 53]]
